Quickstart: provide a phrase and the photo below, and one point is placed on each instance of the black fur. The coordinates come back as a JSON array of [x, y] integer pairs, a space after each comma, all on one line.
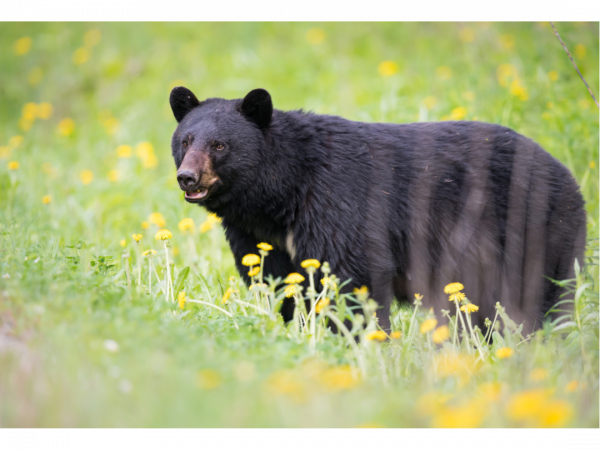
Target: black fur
[[400, 208]]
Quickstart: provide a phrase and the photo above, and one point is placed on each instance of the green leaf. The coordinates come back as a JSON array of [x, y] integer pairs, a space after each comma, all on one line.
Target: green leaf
[[499, 339], [180, 280]]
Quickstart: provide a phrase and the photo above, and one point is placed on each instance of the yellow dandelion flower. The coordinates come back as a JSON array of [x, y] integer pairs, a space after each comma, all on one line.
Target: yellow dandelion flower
[[504, 73], [517, 89], [124, 151], [227, 294], [428, 325], [122, 242], [92, 37], [145, 225], [208, 379], [467, 415], [468, 96], [310, 263], [572, 386], [363, 290], [111, 125], [492, 390], [580, 51], [25, 124], [528, 406], [441, 334], [453, 288], [538, 374], [457, 296], [45, 110], [584, 103], [315, 36], [5, 152], [15, 141], [86, 177], [264, 246], [507, 40], [81, 55], [290, 290], [546, 115], [553, 75], [29, 111], [443, 72], [13, 165], [254, 272], [466, 35], [209, 223], [326, 281], [387, 68], [157, 219], [22, 45], [294, 278], [149, 253], [549, 105], [557, 413], [592, 164], [376, 335], [181, 299], [251, 260], [396, 334], [322, 304], [430, 102], [504, 352], [35, 76], [113, 175], [458, 113], [136, 237], [338, 378], [186, 224], [163, 235], [469, 308], [46, 199], [66, 127], [145, 151]]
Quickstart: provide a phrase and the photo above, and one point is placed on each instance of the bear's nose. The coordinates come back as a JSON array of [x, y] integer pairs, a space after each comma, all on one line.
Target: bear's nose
[[186, 179]]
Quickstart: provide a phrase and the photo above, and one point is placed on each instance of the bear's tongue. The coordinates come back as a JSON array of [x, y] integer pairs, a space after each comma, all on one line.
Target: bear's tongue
[[197, 194]]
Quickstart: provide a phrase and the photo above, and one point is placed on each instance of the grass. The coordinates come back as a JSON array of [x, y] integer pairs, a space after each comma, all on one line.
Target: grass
[[79, 346]]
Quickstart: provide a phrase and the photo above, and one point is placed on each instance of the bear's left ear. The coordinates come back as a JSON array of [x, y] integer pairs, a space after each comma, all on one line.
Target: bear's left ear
[[258, 107], [182, 102]]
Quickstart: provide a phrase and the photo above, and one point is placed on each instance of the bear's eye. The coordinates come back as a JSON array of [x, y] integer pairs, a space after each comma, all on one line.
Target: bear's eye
[[185, 144], [219, 146]]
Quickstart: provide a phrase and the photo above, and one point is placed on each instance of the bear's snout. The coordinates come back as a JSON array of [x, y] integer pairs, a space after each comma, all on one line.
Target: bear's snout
[[187, 179]]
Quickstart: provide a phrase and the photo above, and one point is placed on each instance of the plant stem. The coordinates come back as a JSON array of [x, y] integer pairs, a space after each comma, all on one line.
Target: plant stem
[[313, 322], [139, 262], [168, 287], [215, 307], [150, 274], [250, 305], [350, 339]]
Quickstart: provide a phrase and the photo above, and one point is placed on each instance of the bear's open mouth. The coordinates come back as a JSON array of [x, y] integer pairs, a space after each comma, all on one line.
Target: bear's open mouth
[[196, 195]]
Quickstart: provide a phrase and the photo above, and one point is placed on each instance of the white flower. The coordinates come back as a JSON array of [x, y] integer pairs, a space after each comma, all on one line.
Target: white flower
[[125, 386], [111, 346], [5, 276]]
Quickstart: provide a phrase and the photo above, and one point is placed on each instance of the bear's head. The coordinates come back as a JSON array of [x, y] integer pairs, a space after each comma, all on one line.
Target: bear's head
[[219, 144]]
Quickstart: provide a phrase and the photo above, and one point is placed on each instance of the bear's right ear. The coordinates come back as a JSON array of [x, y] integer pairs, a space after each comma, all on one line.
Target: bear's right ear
[[182, 102]]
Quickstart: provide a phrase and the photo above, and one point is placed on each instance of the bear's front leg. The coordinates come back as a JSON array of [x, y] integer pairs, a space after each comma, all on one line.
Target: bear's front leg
[[276, 264]]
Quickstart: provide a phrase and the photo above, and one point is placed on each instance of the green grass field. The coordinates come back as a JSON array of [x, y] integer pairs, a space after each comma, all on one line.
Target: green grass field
[[85, 129]]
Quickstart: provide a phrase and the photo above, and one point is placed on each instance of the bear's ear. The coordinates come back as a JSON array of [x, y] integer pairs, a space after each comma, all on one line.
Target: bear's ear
[[258, 107], [182, 102]]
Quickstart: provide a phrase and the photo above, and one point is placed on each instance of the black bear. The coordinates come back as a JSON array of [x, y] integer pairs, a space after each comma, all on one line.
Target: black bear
[[400, 208]]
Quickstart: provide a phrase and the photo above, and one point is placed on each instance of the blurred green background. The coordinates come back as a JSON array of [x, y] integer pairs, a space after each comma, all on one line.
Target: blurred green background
[[85, 128]]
